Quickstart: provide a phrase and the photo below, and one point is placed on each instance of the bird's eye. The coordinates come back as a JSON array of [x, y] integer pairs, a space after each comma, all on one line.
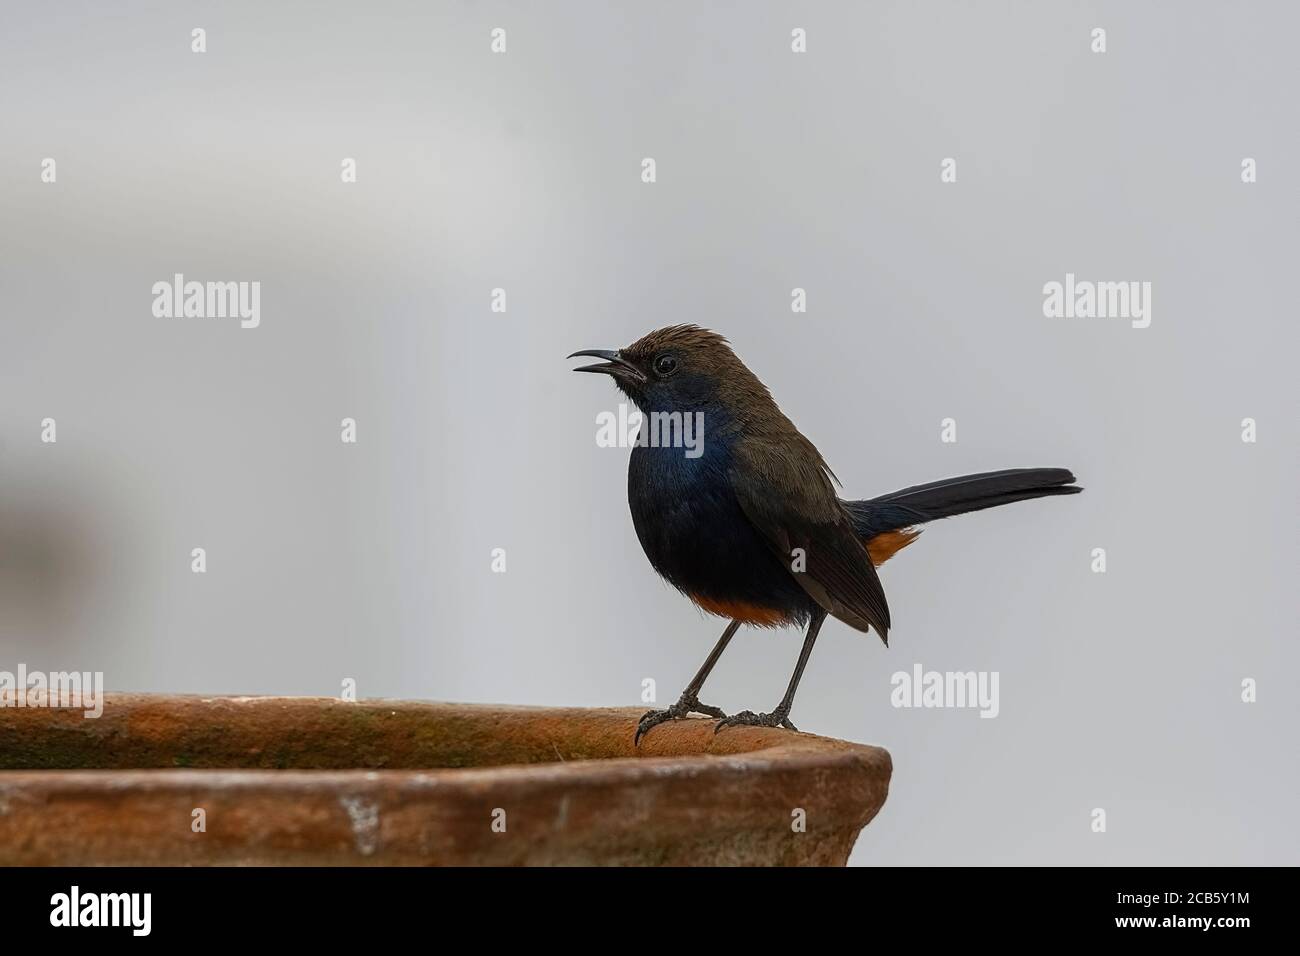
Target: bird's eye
[[665, 365]]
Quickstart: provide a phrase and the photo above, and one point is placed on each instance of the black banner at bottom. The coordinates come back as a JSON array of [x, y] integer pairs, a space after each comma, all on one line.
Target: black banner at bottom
[[240, 905]]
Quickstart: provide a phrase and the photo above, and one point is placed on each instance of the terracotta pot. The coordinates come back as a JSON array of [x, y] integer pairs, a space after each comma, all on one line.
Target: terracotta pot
[[313, 781]]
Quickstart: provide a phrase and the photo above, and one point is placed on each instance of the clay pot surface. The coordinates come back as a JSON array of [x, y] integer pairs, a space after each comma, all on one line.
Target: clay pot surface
[[321, 781]]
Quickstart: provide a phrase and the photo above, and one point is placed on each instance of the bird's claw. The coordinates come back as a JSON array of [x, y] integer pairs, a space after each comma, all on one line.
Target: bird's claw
[[683, 708], [747, 718]]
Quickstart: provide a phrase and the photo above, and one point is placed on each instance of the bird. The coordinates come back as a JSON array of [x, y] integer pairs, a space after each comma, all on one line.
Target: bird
[[745, 519]]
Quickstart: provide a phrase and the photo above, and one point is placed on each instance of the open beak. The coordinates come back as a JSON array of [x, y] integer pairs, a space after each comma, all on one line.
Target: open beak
[[614, 364]]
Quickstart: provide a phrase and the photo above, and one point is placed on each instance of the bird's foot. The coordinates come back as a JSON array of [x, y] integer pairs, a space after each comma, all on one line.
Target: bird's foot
[[747, 718], [684, 707]]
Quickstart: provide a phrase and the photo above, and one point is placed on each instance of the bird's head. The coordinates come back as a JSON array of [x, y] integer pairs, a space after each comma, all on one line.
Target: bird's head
[[677, 369]]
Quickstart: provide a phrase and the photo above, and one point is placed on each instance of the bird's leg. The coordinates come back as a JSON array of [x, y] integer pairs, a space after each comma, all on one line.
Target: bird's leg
[[690, 702], [781, 716]]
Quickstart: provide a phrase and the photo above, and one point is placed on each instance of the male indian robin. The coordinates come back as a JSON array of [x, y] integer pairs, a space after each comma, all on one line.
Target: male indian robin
[[747, 523]]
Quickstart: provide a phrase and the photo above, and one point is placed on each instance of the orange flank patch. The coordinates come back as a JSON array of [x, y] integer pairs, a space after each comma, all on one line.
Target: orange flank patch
[[884, 546], [740, 611]]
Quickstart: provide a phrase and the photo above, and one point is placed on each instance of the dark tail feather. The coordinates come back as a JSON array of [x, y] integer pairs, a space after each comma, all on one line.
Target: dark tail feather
[[955, 496]]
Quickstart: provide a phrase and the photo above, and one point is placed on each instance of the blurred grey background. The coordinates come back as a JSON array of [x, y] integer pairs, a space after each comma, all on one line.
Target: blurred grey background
[[775, 170]]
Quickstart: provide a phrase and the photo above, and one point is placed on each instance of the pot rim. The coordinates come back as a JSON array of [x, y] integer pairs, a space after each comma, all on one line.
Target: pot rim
[[726, 793]]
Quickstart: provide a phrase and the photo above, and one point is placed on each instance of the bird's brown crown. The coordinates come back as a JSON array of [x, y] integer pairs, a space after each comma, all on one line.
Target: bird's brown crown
[[691, 339], [706, 352]]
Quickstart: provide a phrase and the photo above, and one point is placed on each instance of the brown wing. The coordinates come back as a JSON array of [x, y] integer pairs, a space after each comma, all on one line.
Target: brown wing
[[784, 491]]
